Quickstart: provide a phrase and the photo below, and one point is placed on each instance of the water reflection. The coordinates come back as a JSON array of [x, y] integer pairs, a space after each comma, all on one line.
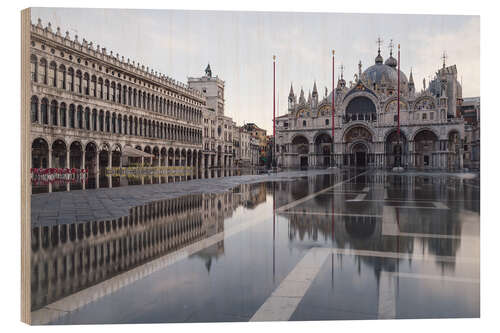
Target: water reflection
[[66, 258], [245, 268]]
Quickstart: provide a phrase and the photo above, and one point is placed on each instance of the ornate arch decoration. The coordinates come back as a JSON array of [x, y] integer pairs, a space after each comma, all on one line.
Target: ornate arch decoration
[[360, 87], [392, 105], [361, 104], [322, 133], [59, 138], [425, 103], [301, 112], [357, 132], [422, 130], [299, 135]]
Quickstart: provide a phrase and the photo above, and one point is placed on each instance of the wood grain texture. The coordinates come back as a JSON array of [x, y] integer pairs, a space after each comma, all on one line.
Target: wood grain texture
[[25, 163]]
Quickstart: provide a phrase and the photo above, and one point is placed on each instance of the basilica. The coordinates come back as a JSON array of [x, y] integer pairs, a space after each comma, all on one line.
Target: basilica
[[432, 129]]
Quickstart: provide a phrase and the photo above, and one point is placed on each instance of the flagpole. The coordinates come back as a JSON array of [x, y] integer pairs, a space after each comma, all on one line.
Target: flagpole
[[274, 112], [399, 134], [333, 108]]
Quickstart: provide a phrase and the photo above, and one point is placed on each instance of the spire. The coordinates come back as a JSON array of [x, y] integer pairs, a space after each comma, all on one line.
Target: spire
[[444, 56], [302, 99], [359, 69], [291, 94], [378, 58], [341, 71], [208, 71], [410, 81], [391, 61], [315, 89]]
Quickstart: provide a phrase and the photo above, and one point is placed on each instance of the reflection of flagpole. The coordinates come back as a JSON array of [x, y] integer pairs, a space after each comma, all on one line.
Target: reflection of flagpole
[[333, 224], [274, 228]]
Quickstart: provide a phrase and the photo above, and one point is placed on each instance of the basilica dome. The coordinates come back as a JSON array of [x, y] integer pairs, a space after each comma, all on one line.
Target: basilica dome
[[386, 74]]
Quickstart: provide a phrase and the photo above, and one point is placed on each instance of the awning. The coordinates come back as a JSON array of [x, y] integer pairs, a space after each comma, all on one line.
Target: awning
[[132, 152]]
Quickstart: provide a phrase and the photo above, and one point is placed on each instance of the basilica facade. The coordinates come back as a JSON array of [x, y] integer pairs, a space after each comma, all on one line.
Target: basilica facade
[[366, 118]]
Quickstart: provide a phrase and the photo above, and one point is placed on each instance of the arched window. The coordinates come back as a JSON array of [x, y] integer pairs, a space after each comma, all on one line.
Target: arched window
[[78, 83], [87, 119], [93, 86], [120, 124], [108, 127], [52, 74], [94, 119], [62, 77], [101, 121], [100, 88], [304, 123], [53, 113], [34, 109], [113, 123], [34, 68], [79, 116], [62, 115], [71, 79], [43, 71], [106, 90], [44, 111], [72, 116], [113, 92], [125, 125], [135, 97], [86, 83], [130, 96], [119, 93]]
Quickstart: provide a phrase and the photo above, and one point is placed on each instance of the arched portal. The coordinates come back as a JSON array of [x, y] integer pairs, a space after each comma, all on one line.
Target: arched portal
[[425, 145], [358, 141], [91, 164], [393, 145], [39, 154], [300, 147], [322, 147], [359, 153], [104, 162]]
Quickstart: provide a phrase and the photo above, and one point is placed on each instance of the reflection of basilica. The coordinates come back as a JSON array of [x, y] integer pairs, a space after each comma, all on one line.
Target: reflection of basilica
[[330, 218], [67, 258], [432, 129]]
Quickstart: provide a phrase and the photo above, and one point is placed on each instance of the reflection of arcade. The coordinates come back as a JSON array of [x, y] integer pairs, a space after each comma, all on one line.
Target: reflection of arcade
[[70, 257]]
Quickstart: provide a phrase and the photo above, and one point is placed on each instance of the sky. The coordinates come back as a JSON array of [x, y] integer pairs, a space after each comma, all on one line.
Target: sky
[[240, 46]]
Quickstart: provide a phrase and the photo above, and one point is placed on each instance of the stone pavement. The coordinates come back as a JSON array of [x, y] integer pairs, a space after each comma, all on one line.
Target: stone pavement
[[112, 203]]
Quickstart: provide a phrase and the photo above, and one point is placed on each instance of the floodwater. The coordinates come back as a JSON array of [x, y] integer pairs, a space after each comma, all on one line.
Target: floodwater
[[353, 245]]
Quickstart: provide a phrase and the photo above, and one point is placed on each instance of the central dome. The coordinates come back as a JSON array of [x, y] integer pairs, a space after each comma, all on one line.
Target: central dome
[[384, 75]]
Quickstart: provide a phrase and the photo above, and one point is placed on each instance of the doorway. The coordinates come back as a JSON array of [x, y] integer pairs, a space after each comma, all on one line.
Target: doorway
[[303, 162]]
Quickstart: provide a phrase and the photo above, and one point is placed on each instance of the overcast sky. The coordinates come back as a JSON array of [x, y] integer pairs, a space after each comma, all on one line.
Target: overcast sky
[[240, 46]]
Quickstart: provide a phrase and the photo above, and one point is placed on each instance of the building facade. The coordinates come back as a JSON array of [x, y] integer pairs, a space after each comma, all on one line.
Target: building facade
[[91, 109], [259, 134], [366, 118], [217, 127]]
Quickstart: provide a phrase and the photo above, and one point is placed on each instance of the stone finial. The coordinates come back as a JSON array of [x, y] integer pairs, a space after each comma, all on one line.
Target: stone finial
[[123, 59], [58, 32], [111, 53], [67, 35], [39, 24], [76, 39], [103, 50], [128, 60], [91, 45], [49, 27], [98, 49]]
